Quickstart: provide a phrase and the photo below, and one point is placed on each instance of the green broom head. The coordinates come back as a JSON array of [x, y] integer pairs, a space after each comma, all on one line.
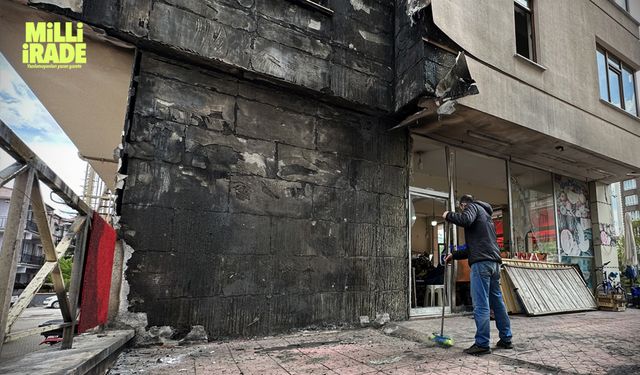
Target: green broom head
[[440, 340]]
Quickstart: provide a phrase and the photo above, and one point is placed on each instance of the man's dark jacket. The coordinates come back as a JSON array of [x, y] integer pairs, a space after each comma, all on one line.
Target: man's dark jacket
[[479, 232]]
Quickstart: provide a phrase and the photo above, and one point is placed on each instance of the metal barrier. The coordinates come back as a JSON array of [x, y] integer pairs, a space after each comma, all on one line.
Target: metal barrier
[[28, 172]]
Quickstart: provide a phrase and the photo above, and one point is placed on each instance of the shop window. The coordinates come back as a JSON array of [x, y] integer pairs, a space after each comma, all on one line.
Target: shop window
[[525, 38], [428, 165], [574, 224], [485, 178], [616, 81], [631, 200], [534, 224], [629, 184], [428, 200]]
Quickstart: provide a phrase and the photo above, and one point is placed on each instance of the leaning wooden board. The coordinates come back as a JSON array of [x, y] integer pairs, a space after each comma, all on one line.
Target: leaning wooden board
[[550, 290], [508, 290], [509, 294]]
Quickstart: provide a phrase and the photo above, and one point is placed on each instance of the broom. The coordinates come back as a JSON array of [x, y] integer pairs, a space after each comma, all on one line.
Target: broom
[[441, 339]]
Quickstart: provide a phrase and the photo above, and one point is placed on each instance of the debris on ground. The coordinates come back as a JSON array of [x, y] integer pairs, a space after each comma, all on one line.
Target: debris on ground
[[364, 321], [197, 335], [381, 320]]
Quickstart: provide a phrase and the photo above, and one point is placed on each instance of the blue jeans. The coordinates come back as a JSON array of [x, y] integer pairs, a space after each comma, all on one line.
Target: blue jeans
[[485, 293]]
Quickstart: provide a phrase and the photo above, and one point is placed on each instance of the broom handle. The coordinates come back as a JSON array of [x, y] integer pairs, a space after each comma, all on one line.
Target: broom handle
[[444, 276]]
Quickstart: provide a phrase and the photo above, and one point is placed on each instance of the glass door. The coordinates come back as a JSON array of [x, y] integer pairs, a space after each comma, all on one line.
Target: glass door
[[426, 246]]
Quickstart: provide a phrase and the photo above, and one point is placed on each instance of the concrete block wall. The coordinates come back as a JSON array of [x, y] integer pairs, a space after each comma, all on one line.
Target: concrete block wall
[[252, 209]]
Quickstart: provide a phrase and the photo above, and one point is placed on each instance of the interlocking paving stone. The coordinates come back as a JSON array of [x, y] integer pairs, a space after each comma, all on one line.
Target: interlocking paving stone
[[595, 342]]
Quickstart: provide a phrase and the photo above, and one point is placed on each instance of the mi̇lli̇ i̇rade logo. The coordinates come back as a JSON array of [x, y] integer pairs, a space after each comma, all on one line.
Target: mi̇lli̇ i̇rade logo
[[54, 45]]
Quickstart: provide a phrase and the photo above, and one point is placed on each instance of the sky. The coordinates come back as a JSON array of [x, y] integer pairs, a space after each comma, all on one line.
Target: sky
[[21, 110]]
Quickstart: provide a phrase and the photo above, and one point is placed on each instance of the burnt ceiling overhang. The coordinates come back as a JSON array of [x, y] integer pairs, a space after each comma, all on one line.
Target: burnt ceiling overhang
[[477, 131], [457, 83]]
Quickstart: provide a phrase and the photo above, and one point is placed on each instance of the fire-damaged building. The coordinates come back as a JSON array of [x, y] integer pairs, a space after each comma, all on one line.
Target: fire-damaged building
[[286, 163]]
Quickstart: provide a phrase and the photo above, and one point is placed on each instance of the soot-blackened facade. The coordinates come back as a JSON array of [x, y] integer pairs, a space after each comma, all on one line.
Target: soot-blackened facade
[[264, 190], [252, 209]]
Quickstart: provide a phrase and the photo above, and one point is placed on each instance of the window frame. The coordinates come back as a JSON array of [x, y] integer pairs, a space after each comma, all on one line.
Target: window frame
[[631, 180], [625, 7], [533, 51], [619, 69], [631, 202]]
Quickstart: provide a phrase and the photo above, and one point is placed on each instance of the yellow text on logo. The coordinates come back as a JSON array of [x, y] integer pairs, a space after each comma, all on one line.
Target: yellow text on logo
[[49, 43]]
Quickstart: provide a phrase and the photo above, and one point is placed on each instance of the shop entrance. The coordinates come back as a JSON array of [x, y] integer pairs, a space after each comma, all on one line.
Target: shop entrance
[[439, 175], [427, 244]]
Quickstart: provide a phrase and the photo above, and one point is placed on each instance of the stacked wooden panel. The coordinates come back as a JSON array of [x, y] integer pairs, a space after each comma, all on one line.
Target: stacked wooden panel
[[508, 290], [509, 294], [544, 288]]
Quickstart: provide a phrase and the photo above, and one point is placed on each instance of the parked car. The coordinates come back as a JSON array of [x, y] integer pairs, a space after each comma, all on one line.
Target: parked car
[[51, 302]]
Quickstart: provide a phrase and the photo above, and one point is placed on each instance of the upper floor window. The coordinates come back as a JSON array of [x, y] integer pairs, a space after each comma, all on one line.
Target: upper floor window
[[629, 184], [631, 200], [525, 38], [635, 215], [617, 82], [624, 4]]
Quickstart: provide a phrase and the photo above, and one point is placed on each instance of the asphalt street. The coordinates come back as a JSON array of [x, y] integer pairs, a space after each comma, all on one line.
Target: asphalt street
[[30, 318]]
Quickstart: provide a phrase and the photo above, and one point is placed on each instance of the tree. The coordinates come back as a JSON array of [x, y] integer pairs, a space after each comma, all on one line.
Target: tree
[[65, 267], [621, 249]]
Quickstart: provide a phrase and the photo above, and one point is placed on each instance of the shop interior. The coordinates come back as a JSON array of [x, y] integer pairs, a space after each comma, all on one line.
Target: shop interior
[[483, 177], [427, 245]]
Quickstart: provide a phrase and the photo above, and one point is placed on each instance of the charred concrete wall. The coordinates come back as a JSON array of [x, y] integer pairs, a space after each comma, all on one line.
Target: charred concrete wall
[[423, 54], [409, 57], [253, 209], [347, 54]]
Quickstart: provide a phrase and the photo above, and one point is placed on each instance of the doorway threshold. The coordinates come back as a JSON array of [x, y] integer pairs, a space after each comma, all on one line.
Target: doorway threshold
[[447, 313], [434, 311]]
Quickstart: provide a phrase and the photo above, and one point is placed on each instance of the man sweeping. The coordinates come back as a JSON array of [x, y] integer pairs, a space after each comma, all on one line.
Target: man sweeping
[[484, 259]]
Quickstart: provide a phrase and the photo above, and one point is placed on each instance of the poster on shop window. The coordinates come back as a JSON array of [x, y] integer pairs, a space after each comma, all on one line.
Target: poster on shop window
[[574, 223]]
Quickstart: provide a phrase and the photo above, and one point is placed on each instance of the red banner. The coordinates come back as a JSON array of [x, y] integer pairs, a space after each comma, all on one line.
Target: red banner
[[96, 280]]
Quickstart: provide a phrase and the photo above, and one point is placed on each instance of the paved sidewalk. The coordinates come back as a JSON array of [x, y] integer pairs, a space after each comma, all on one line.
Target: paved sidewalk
[[582, 343]]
